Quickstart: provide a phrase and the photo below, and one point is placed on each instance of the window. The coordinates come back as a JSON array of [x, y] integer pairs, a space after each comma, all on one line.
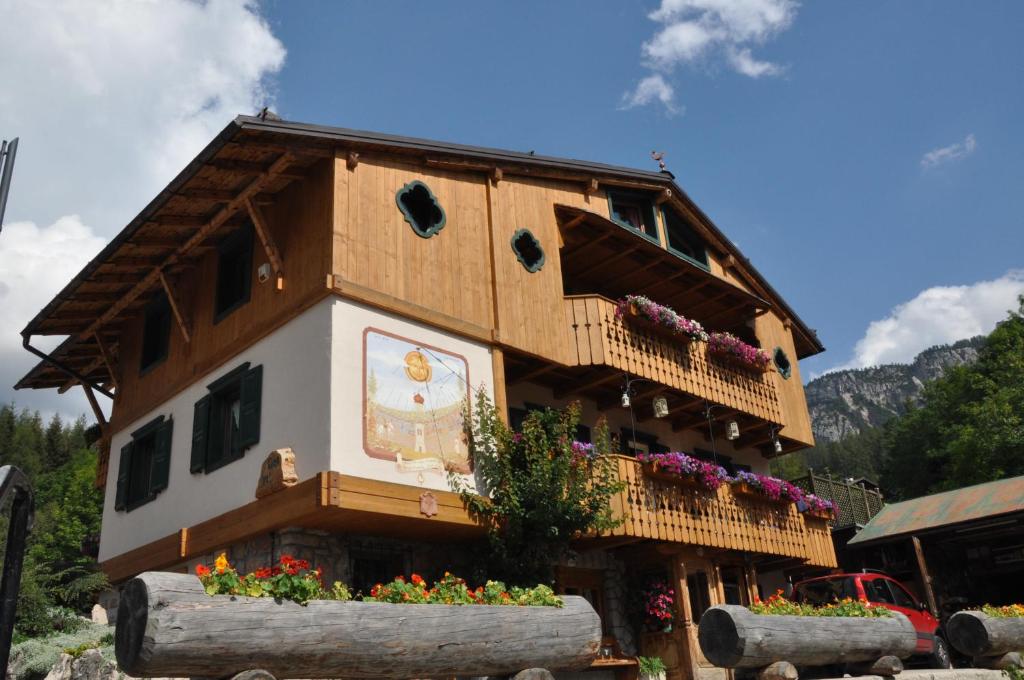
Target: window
[[226, 421], [632, 443], [156, 332], [635, 211], [682, 240], [900, 597], [782, 363], [528, 251], [700, 595], [234, 273], [145, 464], [876, 590], [827, 591], [421, 209]]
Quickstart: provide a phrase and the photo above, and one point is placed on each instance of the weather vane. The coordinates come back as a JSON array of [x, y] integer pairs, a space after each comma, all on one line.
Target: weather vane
[[658, 156]]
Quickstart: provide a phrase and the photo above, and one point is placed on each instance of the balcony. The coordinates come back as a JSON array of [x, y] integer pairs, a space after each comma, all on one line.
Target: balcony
[[599, 338], [666, 511]]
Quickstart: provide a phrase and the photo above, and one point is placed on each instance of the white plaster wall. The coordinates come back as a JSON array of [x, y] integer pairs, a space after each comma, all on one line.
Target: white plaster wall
[[350, 320], [295, 413], [618, 418]]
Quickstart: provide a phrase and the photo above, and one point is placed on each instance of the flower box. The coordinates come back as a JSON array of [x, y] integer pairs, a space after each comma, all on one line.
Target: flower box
[[168, 626], [634, 317], [723, 357], [641, 311], [652, 471], [728, 349], [750, 491]]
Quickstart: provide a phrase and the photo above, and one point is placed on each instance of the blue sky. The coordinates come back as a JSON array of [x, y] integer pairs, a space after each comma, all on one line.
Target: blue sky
[[865, 155]]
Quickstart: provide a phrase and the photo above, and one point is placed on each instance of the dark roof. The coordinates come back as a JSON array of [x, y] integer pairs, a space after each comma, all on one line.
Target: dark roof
[[69, 311], [978, 502]]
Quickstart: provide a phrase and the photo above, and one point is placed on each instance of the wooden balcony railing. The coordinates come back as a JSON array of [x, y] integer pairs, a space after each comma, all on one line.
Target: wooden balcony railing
[[666, 511], [602, 339]]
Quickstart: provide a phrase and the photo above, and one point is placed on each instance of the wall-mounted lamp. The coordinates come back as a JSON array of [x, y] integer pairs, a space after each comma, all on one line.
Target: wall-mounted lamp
[[732, 430], [625, 400], [778, 446], [660, 406]]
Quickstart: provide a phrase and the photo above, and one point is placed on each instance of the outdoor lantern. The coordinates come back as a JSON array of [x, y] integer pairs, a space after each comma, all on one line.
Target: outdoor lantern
[[625, 400], [660, 405], [778, 446], [732, 430]]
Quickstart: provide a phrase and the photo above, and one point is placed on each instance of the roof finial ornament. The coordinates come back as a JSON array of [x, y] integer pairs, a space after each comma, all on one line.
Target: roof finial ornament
[[266, 114], [658, 156]]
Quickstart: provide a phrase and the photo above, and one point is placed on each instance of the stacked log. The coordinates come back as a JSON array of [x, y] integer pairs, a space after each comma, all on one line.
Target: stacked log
[[993, 642], [167, 626], [734, 637]]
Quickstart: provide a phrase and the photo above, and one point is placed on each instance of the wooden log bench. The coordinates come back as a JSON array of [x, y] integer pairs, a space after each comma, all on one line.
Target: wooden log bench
[[774, 647], [167, 626], [992, 642]]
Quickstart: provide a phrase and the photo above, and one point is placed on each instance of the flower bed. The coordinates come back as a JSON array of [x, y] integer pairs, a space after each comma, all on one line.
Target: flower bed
[[777, 605], [816, 506], [659, 317], [682, 468], [728, 347], [1009, 611], [292, 579]]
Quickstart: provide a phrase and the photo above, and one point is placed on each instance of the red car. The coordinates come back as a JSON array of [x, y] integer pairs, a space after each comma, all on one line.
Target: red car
[[884, 591]]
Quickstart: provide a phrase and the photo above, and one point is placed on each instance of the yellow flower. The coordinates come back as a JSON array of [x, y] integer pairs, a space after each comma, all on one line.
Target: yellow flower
[[221, 563]]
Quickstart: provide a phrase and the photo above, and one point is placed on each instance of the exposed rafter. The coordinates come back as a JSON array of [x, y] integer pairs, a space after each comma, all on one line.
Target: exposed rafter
[[172, 300], [267, 239]]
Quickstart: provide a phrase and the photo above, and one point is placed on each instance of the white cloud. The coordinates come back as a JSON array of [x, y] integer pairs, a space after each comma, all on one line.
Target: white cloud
[[938, 315], [696, 30], [110, 100], [948, 154], [653, 87]]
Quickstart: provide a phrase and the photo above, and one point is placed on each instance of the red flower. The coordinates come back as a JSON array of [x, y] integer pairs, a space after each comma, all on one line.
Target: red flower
[[202, 570], [400, 579], [417, 579], [374, 590], [287, 559], [262, 572], [301, 564]]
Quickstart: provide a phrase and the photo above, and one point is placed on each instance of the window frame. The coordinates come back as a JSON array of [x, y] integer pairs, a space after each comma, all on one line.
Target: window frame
[[539, 264], [430, 231], [162, 306], [646, 205], [239, 242], [706, 263], [786, 372], [160, 430], [208, 429]]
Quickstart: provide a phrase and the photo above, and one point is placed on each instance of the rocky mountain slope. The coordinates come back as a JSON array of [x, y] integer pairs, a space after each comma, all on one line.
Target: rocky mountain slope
[[845, 402]]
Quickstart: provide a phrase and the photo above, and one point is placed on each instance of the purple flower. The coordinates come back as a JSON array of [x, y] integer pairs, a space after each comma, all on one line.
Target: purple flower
[[728, 345], [661, 315], [711, 476]]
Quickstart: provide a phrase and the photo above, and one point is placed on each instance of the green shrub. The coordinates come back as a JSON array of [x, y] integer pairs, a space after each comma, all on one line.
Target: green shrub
[[651, 665], [32, 659]]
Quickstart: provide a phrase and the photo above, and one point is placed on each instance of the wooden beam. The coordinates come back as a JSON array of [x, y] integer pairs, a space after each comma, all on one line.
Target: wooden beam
[[926, 578], [251, 189], [500, 392], [176, 309], [546, 368], [605, 262], [105, 356], [267, 239], [663, 196], [590, 187], [496, 175], [93, 297], [183, 221], [252, 167], [588, 384], [573, 223], [351, 160], [101, 420], [222, 195]]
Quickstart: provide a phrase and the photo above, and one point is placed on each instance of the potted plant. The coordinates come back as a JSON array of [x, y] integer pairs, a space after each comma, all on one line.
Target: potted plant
[[651, 667], [659, 318], [754, 485], [659, 599], [815, 506], [730, 349]]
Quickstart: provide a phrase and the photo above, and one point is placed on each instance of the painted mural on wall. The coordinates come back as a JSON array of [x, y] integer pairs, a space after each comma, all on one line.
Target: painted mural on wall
[[413, 400]]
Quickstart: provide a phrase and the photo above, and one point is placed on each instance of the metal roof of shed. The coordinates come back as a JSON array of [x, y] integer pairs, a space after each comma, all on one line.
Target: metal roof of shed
[[972, 503]]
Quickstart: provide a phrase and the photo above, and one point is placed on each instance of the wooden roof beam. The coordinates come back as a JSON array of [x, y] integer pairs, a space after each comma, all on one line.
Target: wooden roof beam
[[267, 239], [107, 359], [605, 262], [275, 170], [588, 383], [172, 300], [252, 167]]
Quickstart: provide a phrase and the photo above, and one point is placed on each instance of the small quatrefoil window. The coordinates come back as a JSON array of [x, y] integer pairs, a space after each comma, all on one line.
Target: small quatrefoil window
[[782, 363], [421, 209], [528, 251]]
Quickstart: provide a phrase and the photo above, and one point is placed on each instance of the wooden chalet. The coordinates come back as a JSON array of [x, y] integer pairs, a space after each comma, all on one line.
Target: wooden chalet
[[339, 293]]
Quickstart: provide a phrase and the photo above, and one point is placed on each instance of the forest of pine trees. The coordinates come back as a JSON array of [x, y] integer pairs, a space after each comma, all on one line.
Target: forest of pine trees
[[60, 577]]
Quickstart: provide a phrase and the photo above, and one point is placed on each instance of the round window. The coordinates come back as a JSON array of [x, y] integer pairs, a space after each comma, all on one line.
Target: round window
[[782, 362]]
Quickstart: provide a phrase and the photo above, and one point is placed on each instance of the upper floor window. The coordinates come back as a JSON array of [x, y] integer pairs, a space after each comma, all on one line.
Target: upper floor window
[[144, 466], [156, 332], [226, 421], [782, 362], [421, 208], [234, 272], [682, 240], [635, 211]]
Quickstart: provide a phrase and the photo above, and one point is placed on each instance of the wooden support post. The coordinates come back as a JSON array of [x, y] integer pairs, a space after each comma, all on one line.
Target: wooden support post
[[500, 394], [105, 355], [926, 579], [101, 419], [176, 309], [267, 239]]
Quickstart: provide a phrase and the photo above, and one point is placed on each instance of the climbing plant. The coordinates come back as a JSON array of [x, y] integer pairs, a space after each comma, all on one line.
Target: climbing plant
[[539, 490]]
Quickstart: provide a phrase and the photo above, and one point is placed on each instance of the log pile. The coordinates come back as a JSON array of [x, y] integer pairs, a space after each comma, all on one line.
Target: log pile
[[774, 646], [167, 626]]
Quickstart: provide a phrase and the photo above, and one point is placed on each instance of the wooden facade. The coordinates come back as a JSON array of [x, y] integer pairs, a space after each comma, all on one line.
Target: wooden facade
[[322, 204]]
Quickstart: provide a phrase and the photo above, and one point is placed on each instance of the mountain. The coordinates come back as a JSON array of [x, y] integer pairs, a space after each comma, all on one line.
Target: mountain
[[847, 402]]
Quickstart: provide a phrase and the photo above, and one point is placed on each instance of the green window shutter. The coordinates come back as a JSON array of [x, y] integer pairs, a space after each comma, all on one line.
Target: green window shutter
[[200, 434], [249, 408], [161, 470], [123, 466]]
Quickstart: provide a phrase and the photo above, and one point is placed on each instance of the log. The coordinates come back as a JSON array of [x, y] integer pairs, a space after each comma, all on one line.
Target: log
[[999, 663], [977, 634], [886, 666], [167, 626], [733, 637]]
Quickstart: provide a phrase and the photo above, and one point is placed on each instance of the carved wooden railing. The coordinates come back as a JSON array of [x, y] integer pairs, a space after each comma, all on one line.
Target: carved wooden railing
[[602, 339], [666, 511]]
